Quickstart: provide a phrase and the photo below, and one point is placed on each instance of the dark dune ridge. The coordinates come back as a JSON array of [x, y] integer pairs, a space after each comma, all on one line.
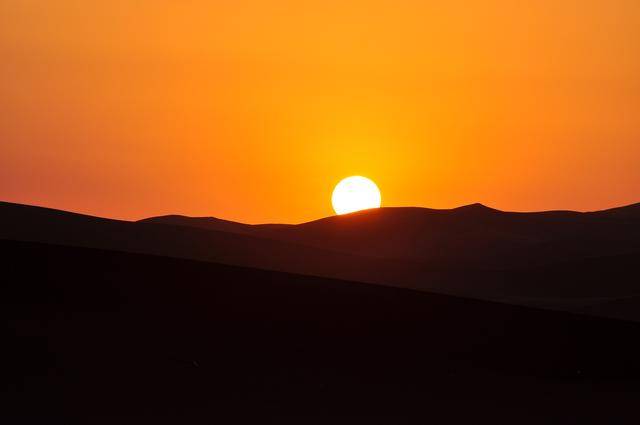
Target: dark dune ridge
[[98, 336], [559, 259], [471, 236]]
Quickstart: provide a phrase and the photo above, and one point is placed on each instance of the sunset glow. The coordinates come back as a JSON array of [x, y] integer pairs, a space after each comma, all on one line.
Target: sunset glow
[[130, 109]]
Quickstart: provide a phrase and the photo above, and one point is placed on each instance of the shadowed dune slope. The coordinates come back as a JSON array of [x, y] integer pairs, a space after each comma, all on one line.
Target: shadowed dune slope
[[98, 336]]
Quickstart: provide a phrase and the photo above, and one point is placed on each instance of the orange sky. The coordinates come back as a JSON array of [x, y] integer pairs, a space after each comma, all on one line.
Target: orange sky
[[252, 110]]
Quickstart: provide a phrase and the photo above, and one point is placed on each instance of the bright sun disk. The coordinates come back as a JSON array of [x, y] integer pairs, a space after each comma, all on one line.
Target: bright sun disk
[[355, 193]]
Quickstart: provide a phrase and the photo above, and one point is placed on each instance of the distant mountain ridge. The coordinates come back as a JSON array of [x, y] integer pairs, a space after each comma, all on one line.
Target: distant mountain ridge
[[556, 259], [212, 223], [472, 235]]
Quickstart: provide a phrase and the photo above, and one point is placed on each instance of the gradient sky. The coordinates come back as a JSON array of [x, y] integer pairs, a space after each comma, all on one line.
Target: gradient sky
[[253, 110]]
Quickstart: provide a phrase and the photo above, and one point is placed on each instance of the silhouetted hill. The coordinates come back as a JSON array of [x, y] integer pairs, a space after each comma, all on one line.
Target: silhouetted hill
[[473, 236], [212, 223], [627, 212], [104, 337], [28, 223], [580, 260]]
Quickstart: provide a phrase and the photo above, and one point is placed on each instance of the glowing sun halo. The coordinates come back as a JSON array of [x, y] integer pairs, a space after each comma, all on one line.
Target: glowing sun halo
[[355, 193]]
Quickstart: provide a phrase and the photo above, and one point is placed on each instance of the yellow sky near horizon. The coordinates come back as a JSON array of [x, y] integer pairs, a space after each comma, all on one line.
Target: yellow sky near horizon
[[253, 110]]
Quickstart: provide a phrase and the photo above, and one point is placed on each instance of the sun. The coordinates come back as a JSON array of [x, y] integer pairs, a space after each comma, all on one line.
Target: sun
[[355, 193]]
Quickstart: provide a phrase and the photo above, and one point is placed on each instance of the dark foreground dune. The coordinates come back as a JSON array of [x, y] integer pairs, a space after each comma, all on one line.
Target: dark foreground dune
[[98, 336]]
